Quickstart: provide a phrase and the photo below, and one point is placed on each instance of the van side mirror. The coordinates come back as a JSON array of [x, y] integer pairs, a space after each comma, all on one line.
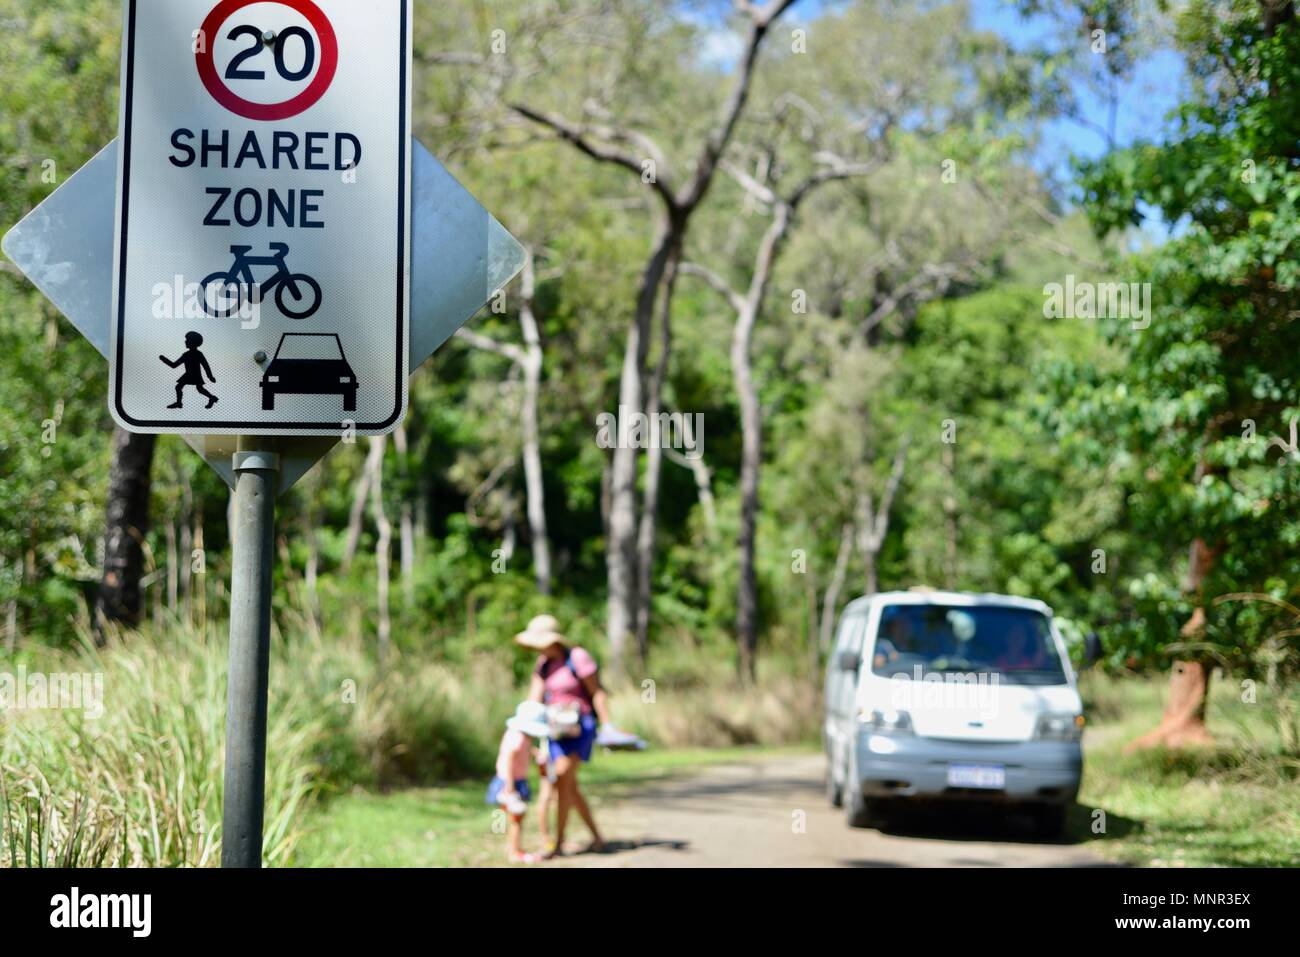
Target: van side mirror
[[1093, 651], [850, 660]]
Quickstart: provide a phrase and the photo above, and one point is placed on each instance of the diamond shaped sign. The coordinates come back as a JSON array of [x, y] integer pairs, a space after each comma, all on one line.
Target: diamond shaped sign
[[460, 257]]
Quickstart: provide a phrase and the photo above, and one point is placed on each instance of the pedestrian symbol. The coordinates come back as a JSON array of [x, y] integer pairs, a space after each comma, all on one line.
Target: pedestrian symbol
[[196, 367]]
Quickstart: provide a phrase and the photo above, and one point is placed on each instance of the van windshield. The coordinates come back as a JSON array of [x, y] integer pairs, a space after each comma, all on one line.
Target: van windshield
[[1015, 643]]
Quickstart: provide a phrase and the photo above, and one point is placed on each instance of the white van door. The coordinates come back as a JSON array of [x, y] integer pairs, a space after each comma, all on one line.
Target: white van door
[[842, 686]]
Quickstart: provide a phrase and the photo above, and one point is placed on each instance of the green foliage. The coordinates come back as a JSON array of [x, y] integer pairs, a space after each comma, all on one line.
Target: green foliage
[[1186, 422]]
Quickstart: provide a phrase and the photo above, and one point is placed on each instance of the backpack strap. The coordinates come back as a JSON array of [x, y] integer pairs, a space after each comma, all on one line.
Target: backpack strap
[[582, 685]]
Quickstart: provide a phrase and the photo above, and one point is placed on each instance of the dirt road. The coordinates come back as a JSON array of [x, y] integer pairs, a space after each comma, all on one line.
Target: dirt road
[[771, 812]]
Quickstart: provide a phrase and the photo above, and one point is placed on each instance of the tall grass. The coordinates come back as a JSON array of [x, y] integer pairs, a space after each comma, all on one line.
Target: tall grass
[[141, 785]]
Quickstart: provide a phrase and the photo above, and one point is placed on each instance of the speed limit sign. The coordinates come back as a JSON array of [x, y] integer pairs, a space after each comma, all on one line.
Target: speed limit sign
[[261, 270]]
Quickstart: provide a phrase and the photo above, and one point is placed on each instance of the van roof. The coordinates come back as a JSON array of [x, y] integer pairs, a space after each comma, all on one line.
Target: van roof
[[959, 598]]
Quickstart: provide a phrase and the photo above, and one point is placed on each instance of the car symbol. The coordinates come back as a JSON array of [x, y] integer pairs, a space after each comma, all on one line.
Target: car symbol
[[309, 363]]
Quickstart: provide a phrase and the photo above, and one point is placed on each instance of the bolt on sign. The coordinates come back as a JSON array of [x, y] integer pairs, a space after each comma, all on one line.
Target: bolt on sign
[[262, 264]]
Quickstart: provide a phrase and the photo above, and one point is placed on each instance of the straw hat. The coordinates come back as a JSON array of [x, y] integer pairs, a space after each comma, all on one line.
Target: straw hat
[[543, 631]]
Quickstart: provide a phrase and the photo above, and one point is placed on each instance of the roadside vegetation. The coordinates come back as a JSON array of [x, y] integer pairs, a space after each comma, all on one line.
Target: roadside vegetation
[[140, 784], [1233, 804], [386, 766]]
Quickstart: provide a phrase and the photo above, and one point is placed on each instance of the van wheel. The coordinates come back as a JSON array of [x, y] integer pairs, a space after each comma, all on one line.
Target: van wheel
[[834, 792], [858, 811]]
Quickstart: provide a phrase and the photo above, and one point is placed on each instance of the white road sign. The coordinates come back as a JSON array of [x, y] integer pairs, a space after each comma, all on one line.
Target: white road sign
[[262, 269]]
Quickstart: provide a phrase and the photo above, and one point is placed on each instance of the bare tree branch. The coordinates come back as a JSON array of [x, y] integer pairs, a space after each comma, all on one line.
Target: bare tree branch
[[716, 143], [703, 486], [720, 285], [940, 276], [586, 138], [484, 489], [507, 350], [748, 183]]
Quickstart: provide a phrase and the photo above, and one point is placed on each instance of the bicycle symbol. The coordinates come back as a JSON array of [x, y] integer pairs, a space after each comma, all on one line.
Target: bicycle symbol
[[234, 284]]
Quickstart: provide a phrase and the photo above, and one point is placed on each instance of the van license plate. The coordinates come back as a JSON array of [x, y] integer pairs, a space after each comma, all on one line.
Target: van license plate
[[991, 776]]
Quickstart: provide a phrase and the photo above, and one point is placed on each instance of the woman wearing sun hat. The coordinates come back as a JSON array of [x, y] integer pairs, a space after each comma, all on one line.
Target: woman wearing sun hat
[[566, 680]]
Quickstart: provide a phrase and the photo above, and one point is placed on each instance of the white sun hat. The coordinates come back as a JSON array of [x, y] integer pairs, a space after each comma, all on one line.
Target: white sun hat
[[543, 631], [530, 718]]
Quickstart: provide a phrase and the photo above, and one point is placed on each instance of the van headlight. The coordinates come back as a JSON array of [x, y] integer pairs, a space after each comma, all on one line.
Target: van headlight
[[1059, 726], [887, 722]]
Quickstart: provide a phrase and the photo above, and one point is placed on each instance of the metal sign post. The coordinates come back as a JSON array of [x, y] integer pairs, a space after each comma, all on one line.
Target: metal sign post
[[256, 479]]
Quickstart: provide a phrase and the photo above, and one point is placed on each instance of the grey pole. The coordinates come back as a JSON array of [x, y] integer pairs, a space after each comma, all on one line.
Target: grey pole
[[256, 484]]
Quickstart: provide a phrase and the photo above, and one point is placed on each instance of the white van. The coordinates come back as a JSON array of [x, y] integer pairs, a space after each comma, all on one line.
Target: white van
[[951, 696]]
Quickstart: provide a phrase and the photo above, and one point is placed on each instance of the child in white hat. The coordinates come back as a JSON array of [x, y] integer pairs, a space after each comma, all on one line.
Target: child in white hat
[[509, 789]]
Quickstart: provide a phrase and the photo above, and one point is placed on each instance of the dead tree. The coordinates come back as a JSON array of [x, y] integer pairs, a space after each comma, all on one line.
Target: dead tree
[[748, 306], [638, 153]]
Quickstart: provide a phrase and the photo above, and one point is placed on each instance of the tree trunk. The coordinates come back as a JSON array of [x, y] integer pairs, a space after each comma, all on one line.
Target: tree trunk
[[126, 522], [703, 487], [355, 519], [187, 547], [621, 548], [198, 606], [534, 487], [751, 423], [383, 546], [814, 649], [647, 533], [173, 570], [1276, 13], [873, 521], [831, 601], [11, 616], [406, 521], [1183, 722], [950, 518]]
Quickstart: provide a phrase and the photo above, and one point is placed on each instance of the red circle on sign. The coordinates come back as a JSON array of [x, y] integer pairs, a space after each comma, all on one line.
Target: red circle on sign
[[329, 61]]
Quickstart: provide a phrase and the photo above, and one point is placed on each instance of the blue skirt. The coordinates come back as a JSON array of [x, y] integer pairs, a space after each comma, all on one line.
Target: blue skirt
[[579, 744]]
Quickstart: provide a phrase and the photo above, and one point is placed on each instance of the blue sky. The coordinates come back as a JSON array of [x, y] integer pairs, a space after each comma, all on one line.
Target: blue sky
[[1145, 101], [1155, 88]]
